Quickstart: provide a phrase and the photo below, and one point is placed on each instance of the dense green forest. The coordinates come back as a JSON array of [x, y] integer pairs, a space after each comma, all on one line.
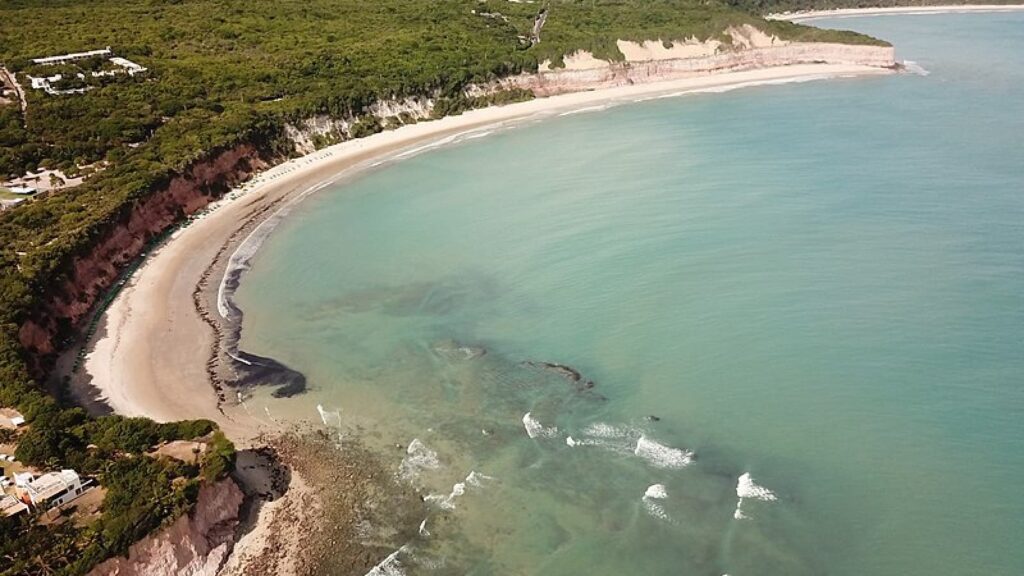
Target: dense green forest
[[221, 73], [217, 60]]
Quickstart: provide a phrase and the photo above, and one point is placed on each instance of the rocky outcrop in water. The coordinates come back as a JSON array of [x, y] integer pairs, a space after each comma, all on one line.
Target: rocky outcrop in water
[[568, 372]]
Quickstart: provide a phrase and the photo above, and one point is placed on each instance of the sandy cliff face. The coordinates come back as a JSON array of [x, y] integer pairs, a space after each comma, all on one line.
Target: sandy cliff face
[[88, 276], [652, 61], [304, 134], [197, 544]]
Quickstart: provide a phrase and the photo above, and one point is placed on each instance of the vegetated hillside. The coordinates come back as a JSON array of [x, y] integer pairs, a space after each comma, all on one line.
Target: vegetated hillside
[[143, 492], [212, 61], [224, 73]]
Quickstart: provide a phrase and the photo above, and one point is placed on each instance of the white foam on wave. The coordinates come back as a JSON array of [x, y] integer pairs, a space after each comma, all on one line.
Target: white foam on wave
[[429, 146], [746, 488], [603, 430], [661, 456], [535, 429], [574, 442], [619, 439], [441, 142], [915, 68], [390, 566], [597, 108], [737, 86], [417, 459], [654, 493], [476, 135], [447, 502], [477, 479], [329, 417]]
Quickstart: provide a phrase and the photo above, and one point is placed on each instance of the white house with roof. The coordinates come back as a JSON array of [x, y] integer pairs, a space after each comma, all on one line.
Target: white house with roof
[[51, 489]]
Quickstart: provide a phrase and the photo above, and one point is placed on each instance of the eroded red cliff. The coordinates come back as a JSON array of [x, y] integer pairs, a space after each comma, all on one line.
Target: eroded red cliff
[[89, 276]]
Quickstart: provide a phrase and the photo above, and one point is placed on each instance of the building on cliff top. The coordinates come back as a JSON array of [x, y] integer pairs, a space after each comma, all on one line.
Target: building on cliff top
[[51, 489]]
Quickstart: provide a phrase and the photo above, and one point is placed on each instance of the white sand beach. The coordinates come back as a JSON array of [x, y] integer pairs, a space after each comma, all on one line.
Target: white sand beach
[[857, 12], [149, 355]]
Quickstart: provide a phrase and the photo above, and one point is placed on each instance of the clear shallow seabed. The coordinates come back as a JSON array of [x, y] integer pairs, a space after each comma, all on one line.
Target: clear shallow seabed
[[819, 285]]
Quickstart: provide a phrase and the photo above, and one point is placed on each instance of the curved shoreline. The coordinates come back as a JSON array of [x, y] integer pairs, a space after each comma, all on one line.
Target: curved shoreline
[[896, 10], [161, 343], [149, 357]]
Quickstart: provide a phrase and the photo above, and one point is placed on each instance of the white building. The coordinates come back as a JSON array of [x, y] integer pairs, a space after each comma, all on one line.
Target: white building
[[124, 66], [63, 59], [51, 489], [128, 66]]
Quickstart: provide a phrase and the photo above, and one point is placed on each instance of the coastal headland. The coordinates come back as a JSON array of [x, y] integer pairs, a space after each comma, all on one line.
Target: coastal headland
[[119, 285], [168, 141], [159, 350]]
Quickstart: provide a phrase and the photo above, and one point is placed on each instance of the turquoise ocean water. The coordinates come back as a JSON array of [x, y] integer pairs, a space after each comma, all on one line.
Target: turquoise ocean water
[[819, 285]]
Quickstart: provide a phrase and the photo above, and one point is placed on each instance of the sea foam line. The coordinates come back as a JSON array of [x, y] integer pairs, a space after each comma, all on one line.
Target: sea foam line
[[389, 566], [473, 479], [584, 110]]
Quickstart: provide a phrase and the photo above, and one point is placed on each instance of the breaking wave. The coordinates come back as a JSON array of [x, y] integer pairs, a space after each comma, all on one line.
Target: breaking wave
[[915, 68], [535, 429], [447, 502], [661, 456], [390, 566], [746, 488], [654, 493], [618, 439], [417, 459]]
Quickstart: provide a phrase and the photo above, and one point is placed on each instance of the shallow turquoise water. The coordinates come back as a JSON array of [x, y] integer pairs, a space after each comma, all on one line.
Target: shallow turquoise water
[[816, 284]]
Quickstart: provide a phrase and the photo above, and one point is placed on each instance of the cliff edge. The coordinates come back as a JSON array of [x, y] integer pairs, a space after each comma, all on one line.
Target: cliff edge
[[196, 544], [742, 48]]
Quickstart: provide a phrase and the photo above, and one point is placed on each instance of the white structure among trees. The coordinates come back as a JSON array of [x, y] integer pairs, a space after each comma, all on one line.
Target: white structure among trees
[[51, 489]]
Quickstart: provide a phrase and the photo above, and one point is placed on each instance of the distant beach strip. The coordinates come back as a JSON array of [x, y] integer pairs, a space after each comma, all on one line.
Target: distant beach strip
[[905, 10]]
